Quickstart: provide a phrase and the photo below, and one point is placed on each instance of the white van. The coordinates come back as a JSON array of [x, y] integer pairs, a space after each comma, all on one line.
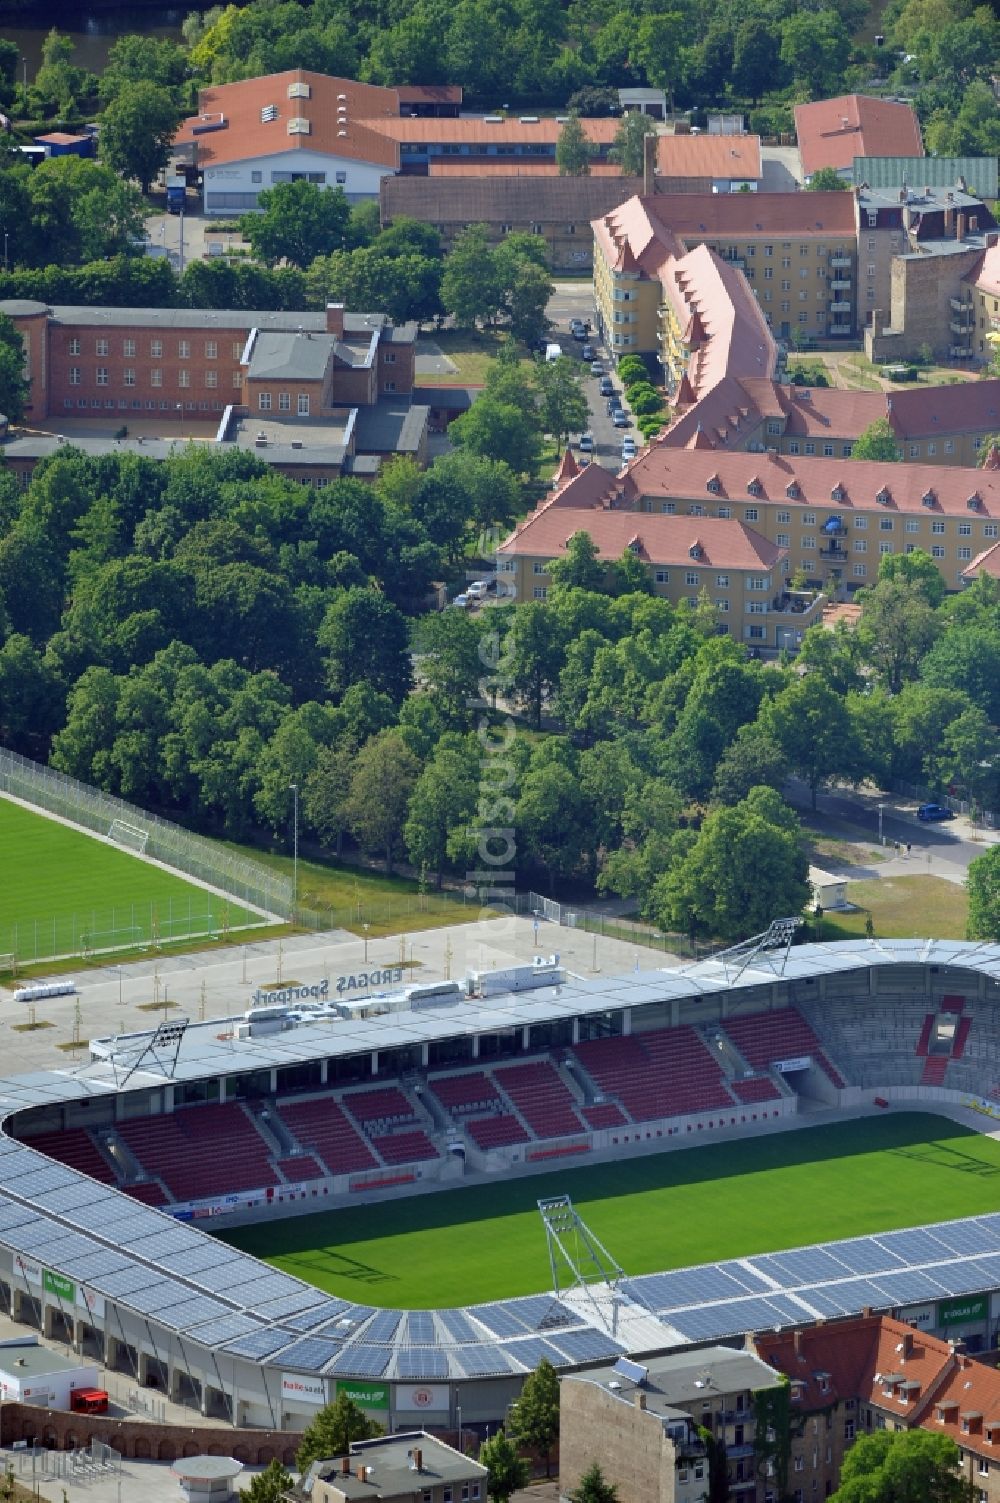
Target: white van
[[553, 352]]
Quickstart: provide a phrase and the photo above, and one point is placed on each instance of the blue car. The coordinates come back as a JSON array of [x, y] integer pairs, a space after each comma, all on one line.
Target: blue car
[[932, 813]]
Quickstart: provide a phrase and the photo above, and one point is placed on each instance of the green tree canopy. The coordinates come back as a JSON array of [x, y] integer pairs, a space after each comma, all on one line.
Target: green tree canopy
[[593, 1487], [506, 1472], [829, 180], [534, 1418], [297, 222], [878, 442], [385, 772], [629, 145], [982, 883], [902, 1466], [137, 128], [574, 150], [333, 1429]]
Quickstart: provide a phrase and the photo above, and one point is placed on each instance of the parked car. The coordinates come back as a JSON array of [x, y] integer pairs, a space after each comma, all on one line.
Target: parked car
[[620, 418], [614, 404], [587, 353], [597, 368], [607, 387], [628, 447], [477, 590], [578, 331], [933, 813], [461, 600], [586, 443]]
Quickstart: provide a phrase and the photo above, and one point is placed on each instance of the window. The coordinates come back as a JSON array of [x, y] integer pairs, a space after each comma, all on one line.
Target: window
[[183, 379], [911, 526], [937, 528], [949, 446], [965, 529], [793, 447], [786, 262], [237, 350], [237, 379], [828, 451], [722, 580], [803, 271], [284, 401], [809, 542], [184, 349], [725, 513], [782, 539], [130, 375], [810, 448], [860, 571], [769, 250], [661, 576], [861, 545], [211, 349], [773, 426], [303, 410], [759, 582], [990, 530], [768, 273], [800, 1463], [128, 349], [983, 1467], [264, 401], [539, 592], [389, 357], [932, 448], [786, 286], [690, 577], [102, 375], [74, 375], [211, 379], [884, 548], [538, 568], [784, 517], [156, 378], [102, 346], [750, 514], [885, 524], [861, 524], [668, 508], [256, 177], [937, 551], [723, 606], [388, 386], [74, 347], [964, 554]]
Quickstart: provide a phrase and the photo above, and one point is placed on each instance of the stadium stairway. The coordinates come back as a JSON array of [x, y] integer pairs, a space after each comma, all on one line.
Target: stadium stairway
[[394, 1122]]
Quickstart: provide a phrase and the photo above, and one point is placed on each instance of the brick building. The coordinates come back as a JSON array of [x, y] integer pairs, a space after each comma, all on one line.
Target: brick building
[[645, 1434]]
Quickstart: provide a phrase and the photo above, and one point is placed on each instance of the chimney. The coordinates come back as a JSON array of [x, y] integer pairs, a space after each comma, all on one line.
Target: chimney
[[335, 319], [949, 216], [797, 1342], [418, 1461], [345, 1466], [649, 145], [640, 1399], [360, 1474], [960, 223], [907, 1345], [992, 239]]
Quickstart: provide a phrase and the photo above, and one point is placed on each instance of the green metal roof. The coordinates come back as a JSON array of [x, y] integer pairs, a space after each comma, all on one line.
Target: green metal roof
[[980, 173]]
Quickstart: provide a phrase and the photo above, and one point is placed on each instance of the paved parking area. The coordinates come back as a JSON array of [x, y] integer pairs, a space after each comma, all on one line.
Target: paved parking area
[[607, 438]]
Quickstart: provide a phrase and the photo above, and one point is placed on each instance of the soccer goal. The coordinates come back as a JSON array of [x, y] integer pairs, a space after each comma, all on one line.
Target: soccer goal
[[130, 835]]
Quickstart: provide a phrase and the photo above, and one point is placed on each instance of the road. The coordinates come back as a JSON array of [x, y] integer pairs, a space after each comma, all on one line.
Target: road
[[944, 850], [576, 300]]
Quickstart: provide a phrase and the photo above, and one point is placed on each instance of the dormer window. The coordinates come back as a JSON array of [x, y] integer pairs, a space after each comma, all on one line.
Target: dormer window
[[928, 499], [695, 550], [754, 486], [837, 494], [792, 490], [974, 502], [714, 484], [884, 496]]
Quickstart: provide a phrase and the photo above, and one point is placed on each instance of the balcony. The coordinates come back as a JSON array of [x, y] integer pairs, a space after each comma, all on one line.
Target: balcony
[[958, 305], [802, 603], [840, 261], [735, 1453], [841, 284], [960, 328], [840, 306], [834, 552]]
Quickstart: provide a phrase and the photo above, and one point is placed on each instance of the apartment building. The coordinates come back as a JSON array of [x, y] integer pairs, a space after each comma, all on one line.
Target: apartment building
[[946, 425], [396, 1469], [830, 518], [871, 1373], [641, 1422], [797, 251], [184, 362]]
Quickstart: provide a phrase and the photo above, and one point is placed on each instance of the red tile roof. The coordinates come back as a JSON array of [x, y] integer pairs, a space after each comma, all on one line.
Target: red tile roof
[[429, 93], [510, 167], [709, 156], [987, 562], [482, 132], [832, 132], [697, 215], [658, 540], [826, 484], [340, 112]]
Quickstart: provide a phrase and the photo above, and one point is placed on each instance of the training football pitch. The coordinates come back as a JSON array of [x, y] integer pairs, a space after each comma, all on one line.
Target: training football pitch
[[65, 893], [666, 1211]]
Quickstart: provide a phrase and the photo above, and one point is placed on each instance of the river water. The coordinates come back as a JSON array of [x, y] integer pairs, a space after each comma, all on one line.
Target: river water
[[92, 30]]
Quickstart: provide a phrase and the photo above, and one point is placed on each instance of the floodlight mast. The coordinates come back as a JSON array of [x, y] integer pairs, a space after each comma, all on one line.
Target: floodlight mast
[[777, 937], [578, 1260], [161, 1047]]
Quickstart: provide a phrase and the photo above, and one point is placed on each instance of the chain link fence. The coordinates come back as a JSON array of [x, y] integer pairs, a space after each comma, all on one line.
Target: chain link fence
[[249, 882]]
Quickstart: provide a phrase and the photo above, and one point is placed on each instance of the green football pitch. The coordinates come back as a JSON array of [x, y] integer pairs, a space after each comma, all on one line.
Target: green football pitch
[[64, 893], [665, 1211]]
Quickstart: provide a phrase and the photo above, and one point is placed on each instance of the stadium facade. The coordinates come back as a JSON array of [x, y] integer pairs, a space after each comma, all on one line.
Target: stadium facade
[[628, 1065]]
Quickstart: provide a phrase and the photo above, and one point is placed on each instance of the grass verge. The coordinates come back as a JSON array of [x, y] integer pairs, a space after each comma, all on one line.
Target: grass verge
[[901, 907]]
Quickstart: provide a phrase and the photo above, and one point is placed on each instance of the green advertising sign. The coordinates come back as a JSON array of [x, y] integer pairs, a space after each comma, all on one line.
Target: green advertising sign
[[365, 1395], [961, 1312], [62, 1288]]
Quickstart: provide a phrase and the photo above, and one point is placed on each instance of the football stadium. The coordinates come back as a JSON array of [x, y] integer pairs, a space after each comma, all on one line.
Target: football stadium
[[417, 1195]]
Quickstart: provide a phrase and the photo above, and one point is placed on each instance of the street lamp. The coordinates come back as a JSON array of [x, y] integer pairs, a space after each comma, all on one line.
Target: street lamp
[[880, 809], [295, 845], [366, 927]]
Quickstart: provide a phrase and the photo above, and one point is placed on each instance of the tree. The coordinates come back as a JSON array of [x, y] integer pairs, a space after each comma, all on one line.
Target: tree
[[629, 146], [746, 865], [878, 442], [142, 59], [137, 129], [554, 820], [13, 385], [506, 1472], [534, 1418], [499, 431], [983, 886], [660, 47], [756, 65], [470, 285], [443, 801], [533, 656], [297, 222], [594, 1488], [904, 1466], [966, 658], [450, 663], [897, 628], [580, 566], [270, 1485], [829, 180], [527, 289], [562, 400], [815, 46], [385, 772], [327, 789], [810, 724], [918, 571], [574, 149], [366, 639], [333, 1429]]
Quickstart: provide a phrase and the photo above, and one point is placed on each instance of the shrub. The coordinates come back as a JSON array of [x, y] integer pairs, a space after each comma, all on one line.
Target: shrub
[[645, 403], [632, 369]]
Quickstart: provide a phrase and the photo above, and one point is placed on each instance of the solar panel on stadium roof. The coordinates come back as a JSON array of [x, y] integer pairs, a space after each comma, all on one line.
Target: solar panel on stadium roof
[[420, 1328], [259, 1344], [530, 1350], [810, 1265], [362, 1361], [225, 1328], [163, 1243], [80, 1193], [290, 1304], [127, 1280], [193, 1312], [911, 1286], [498, 1319], [253, 1292], [382, 1329], [585, 1345], [961, 1278], [822, 1301], [714, 1321], [543, 1312], [308, 1320], [99, 1260], [969, 1236], [12, 1217], [458, 1325], [687, 1286], [480, 1361], [915, 1246], [863, 1255], [165, 1295], [63, 1251], [852, 1295], [312, 1353], [423, 1363], [192, 1260]]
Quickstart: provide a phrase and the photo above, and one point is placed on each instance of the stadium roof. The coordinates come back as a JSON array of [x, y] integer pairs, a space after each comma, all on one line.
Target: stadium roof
[[225, 1300]]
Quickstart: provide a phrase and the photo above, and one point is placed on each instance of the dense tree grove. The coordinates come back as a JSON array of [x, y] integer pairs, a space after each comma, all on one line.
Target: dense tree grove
[[198, 634]]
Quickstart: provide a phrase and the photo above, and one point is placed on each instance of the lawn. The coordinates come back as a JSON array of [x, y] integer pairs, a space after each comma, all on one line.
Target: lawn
[[665, 1211], [351, 897], [471, 350], [66, 893], [901, 907]]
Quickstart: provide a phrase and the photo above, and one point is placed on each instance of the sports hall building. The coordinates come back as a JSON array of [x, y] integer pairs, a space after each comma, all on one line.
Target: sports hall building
[[111, 1175]]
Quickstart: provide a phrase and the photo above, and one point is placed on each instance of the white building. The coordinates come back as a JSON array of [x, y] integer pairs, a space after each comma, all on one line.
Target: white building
[[35, 1374], [284, 127]]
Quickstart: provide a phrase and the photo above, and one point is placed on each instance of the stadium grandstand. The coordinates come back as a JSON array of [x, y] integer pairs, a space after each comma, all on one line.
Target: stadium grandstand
[[446, 1084]]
